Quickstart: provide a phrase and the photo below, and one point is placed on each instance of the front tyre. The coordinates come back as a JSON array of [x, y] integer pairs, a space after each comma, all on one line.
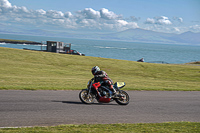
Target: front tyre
[[85, 97], [123, 98]]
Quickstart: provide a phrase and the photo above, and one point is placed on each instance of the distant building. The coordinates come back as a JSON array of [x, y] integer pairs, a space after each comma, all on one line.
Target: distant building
[[58, 47]]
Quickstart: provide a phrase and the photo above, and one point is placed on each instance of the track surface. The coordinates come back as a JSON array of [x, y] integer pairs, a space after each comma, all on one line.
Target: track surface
[[48, 108]]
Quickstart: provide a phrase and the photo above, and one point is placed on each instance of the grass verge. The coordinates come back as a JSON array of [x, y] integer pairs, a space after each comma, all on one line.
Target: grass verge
[[170, 127], [34, 70], [18, 41]]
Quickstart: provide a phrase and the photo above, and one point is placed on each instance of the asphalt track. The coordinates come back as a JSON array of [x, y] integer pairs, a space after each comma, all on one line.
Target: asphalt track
[[47, 108]]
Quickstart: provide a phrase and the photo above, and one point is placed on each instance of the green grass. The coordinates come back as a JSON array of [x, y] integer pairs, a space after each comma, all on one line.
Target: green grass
[[171, 127], [9, 40], [34, 70]]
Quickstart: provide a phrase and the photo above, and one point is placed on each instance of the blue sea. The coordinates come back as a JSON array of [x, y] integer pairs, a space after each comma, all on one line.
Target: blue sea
[[153, 53]]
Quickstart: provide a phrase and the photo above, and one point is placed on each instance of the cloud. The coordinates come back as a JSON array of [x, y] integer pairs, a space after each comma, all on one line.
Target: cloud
[[162, 20], [150, 21], [178, 19], [122, 22], [195, 28], [87, 18], [133, 18], [106, 14], [40, 12], [168, 25], [5, 4], [68, 15], [176, 29], [89, 13], [55, 14]]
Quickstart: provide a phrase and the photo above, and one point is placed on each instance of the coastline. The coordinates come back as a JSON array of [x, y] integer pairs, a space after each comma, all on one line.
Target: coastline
[[19, 42]]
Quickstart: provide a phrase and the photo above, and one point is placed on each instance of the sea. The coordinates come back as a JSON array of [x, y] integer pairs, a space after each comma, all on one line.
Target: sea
[[132, 51]]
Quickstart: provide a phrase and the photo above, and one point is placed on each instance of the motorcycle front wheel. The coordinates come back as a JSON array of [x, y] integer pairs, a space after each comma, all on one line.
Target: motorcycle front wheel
[[85, 97], [123, 99]]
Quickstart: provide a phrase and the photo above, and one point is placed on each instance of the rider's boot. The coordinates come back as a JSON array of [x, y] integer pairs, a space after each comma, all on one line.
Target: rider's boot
[[115, 94], [113, 90]]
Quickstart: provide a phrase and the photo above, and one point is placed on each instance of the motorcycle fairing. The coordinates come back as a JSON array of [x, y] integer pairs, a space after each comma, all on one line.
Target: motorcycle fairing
[[119, 85], [104, 100], [101, 98]]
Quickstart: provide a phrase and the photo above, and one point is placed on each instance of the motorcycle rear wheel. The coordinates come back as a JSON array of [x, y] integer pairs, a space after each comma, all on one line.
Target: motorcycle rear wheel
[[85, 97], [123, 99]]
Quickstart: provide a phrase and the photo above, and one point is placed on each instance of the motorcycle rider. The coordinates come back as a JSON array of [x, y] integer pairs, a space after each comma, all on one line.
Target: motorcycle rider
[[102, 76]]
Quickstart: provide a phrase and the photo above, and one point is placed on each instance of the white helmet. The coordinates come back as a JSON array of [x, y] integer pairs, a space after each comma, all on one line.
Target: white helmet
[[95, 70]]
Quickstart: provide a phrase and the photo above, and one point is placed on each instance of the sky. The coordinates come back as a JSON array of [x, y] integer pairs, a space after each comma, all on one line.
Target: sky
[[170, 16]]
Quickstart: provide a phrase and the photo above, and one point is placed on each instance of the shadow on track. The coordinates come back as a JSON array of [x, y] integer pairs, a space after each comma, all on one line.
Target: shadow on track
[[69, 102], [75, 102]]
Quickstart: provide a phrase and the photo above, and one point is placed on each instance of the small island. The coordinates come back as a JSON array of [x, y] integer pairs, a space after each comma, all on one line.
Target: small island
[[19, 42]]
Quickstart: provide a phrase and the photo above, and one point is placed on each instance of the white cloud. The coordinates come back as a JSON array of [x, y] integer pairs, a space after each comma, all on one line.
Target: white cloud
[[89, 13], [176, 29], [195, 28], [127, 24], [68, 15], [180, 20], [41, 12], [122, 22], [5, 4], [87, 18], [55, 14], [150, 21], [133, 25], [168, 25], [162, 20], [106, 14], [22, 9], [124, 25]]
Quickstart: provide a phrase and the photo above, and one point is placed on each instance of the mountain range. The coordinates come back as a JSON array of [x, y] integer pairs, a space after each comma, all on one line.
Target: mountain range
[[141, 35], [130, 35]]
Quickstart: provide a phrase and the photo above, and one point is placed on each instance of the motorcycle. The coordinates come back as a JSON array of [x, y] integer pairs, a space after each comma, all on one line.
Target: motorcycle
[[101, 92]]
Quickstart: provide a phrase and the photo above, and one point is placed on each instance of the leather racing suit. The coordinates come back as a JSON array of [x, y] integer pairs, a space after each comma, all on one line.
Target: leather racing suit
[[102, 76]]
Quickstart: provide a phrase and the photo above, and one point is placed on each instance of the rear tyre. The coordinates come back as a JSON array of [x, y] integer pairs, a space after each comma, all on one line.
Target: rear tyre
[[123, 99], [85, 97]]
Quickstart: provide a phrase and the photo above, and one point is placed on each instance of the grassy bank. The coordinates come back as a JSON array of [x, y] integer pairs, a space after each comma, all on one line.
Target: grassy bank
[[18, 41], [177, 127], [33, 70]]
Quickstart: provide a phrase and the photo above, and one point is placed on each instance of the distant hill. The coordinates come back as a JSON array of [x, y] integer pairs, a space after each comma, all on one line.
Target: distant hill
[[131, 35], [141, 35], [187, 37]]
